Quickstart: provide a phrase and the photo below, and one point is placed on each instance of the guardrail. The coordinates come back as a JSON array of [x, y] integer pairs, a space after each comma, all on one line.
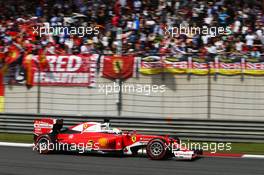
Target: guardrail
[[193, 129]]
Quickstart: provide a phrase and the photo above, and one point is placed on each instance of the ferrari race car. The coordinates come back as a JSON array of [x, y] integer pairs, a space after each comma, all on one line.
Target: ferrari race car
[[51, 136]]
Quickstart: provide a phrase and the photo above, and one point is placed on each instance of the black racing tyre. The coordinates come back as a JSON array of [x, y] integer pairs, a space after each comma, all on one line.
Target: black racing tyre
[[156, 149], [45, 144]]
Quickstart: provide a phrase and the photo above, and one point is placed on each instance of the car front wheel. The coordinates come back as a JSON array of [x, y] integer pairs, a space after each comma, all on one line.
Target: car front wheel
[[156, 150]]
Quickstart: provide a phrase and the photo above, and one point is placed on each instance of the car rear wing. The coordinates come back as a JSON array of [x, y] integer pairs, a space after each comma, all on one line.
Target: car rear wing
[[47, 126]]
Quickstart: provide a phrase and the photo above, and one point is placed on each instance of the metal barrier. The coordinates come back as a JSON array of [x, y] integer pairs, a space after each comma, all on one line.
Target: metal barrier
[[192, 129]]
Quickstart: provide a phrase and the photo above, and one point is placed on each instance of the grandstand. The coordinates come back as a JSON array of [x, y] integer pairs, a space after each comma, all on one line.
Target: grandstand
[[196, 67]]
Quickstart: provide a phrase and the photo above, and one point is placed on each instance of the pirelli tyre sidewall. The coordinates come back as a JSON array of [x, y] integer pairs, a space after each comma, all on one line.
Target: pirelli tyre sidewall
[[45, 144], [156, 150]]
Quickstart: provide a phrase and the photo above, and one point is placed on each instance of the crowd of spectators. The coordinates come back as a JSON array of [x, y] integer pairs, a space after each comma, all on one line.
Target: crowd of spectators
[[143, 24]]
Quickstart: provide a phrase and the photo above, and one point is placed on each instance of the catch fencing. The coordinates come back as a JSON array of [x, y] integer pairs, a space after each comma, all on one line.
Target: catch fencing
[[182, 96]]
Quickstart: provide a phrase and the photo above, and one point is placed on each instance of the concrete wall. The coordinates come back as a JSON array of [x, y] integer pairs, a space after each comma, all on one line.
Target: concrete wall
[[236, 99], [230, 98]]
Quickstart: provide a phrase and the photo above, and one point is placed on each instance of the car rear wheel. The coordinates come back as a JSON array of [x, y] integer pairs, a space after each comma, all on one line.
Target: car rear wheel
[[44, 145], [156, 149]]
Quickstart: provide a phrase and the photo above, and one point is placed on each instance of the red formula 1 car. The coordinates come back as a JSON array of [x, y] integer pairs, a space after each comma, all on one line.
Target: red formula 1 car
[[50, 136]]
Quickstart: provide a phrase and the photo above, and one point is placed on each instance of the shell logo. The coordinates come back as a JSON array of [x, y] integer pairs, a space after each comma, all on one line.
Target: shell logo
[[103, 142]]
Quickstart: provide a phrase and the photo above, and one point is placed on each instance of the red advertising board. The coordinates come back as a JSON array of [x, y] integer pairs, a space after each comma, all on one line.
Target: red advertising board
[[67, 70]]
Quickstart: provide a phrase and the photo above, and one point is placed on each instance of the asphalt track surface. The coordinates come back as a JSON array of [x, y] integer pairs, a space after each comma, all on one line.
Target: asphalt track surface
[[23, 161]]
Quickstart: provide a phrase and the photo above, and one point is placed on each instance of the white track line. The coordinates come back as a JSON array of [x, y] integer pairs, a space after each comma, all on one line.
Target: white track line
[[16, 144], [253, 156]]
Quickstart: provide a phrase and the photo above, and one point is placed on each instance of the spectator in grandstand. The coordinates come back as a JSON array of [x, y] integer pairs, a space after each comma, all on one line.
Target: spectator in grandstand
[[87, 47], [250, 37], [141, 21], [255, 53], [239, 45]]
